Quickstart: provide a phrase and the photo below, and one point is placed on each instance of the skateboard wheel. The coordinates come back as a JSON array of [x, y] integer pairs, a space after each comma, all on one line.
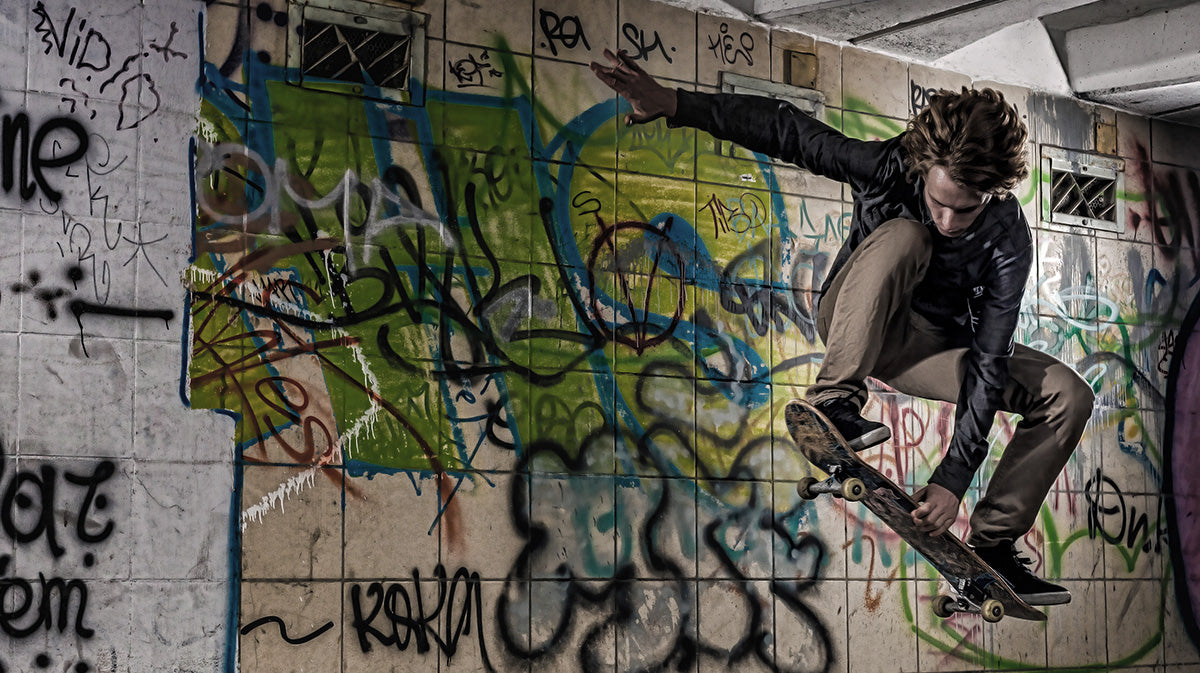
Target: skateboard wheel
[[992, 610], [804, 488], [941, 606], [853, 489]]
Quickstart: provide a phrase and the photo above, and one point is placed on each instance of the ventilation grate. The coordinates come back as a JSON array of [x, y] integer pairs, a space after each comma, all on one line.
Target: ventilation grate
[[351, 54], [1081, 189], [1082, 195], [378, 49]]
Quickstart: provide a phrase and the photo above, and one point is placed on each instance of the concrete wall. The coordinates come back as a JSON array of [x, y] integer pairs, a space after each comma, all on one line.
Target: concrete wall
[[296, 380]]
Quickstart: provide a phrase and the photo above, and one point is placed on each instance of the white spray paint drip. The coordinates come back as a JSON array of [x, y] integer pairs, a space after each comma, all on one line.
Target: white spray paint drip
[[364, 424], [275, 498], [193, 277], [207, 131]]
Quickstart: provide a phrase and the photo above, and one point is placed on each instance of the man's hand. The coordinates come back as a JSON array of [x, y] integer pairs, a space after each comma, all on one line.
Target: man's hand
[[937, 511], [649, 99]]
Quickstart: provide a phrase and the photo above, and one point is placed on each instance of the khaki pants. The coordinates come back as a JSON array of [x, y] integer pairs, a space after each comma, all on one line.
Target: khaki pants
[[869, 329]]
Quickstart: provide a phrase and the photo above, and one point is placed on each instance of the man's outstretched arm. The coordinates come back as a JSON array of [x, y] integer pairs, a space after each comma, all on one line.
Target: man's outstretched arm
[[649, 99], [764, 125]]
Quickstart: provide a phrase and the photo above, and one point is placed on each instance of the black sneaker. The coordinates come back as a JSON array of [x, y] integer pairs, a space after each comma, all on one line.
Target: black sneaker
[[1013, 568], [858, 432]]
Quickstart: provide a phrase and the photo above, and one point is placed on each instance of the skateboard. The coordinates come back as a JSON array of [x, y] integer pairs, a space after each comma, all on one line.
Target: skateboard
[[977, 588]]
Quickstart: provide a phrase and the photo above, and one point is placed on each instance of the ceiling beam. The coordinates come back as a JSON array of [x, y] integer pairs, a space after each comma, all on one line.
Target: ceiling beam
[[925, 20], [1154, 49], [771, 10]]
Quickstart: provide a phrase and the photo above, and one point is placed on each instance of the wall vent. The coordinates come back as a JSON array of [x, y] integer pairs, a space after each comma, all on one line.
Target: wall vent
[[808, 101], [377, 49], [1080, 189]]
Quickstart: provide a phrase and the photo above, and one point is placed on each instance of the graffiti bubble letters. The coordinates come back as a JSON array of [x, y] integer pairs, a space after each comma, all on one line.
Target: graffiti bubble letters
[[225, 159], [643, 48], [471, 72], [728, 50], [660, 141], [565, 30], [24, 157]]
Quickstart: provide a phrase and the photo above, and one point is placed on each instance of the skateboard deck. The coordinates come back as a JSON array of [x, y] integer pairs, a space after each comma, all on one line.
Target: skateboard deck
[[977, 586]]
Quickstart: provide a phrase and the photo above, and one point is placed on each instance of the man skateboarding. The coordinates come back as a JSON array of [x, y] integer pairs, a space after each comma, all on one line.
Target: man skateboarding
[[924, 294]]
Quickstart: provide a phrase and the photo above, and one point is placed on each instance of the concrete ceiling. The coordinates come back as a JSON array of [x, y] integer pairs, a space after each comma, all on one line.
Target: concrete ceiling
[[1137, 55]]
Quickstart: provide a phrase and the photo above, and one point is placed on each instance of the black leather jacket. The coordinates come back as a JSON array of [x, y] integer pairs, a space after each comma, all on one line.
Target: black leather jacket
[[975, 281]]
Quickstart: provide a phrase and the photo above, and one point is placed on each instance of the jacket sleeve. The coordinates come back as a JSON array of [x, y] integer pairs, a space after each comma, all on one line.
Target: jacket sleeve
[[778, 129], [985, 375]]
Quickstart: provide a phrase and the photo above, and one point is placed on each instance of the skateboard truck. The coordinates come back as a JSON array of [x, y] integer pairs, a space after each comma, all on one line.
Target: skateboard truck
[[971, 599], [852, 489]]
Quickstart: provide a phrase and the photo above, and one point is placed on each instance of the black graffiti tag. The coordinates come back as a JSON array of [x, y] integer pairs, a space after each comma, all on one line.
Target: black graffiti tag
[[728, 50], [472, 72], [919, 96], [24, 155], [643, 47], [1115, 519], [408, 621], [30, 501], [566, 30]]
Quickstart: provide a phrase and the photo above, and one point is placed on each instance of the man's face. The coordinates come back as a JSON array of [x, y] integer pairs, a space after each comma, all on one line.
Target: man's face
[[952, 206]]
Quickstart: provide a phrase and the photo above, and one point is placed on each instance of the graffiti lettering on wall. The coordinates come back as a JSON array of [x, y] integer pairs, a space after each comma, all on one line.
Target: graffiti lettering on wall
[[389, 617], [1113, 517], [739, 215], [28, 152], [30, 507], [88, 50], [565, 31], [474, 71], [1166, 346], [394, 617], [644, 46], [728, 49], [385, 208], [919, 96]]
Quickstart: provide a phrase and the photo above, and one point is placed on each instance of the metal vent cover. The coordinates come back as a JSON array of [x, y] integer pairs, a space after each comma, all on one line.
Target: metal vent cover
[[377, 49], [1081, 190]]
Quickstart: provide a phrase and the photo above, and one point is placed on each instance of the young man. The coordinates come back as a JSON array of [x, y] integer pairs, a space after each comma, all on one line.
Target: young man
[[924, 294]]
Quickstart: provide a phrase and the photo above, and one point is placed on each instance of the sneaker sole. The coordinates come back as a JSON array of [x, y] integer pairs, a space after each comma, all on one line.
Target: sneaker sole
[[1055, 598], [870, 439]]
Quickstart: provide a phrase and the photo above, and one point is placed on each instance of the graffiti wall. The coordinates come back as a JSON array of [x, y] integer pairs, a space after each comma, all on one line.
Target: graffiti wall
[[366, 336]]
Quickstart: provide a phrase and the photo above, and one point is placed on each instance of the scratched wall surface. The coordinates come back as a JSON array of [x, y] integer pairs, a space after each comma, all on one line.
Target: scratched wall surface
[[474, 377]]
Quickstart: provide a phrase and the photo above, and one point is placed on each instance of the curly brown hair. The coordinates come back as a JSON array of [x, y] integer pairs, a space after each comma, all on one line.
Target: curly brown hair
[[975, 135]]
